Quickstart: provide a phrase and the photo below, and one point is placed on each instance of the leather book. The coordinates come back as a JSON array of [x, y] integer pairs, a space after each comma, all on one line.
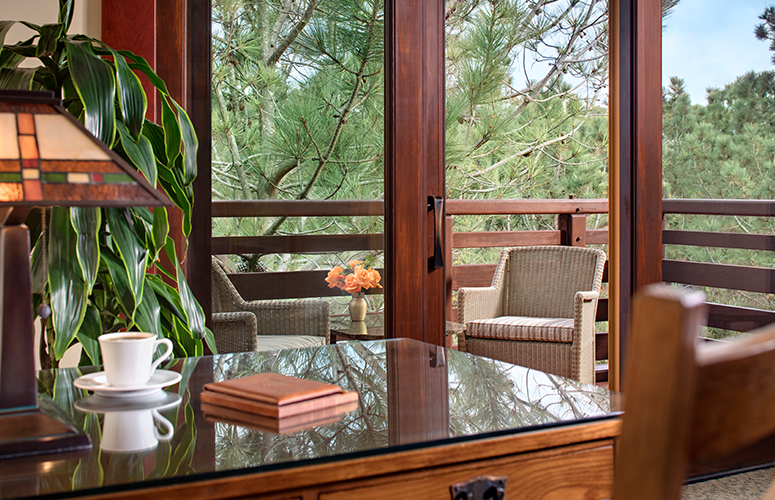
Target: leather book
[[275, 395], [286, 425]]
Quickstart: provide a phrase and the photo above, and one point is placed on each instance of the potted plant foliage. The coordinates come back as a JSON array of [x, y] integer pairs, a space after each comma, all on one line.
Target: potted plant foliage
[[96, 278]]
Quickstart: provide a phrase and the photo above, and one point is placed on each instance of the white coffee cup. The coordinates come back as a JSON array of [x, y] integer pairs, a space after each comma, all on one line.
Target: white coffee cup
[[128, 357], [126, 431]]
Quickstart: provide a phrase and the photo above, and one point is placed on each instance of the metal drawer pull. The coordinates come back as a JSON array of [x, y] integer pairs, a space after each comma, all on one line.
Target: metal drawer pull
[[480, 488]]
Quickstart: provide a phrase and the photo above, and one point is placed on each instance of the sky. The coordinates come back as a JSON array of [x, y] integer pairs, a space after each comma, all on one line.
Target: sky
[[709, 43]]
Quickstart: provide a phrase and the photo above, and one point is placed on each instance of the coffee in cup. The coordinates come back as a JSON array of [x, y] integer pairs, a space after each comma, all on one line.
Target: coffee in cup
[[128, 357]]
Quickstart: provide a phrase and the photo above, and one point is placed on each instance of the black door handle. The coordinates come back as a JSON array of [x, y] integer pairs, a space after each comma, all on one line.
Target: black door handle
[[436, 203]]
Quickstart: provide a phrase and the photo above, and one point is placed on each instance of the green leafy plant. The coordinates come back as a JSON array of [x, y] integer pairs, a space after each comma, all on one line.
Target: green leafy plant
[[96, 278]]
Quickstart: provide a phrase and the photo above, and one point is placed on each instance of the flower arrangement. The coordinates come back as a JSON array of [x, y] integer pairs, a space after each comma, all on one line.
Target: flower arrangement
[[356, 277]]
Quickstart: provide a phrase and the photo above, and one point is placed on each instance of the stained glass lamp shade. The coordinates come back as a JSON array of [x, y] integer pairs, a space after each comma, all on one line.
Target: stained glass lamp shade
[[47, 158]]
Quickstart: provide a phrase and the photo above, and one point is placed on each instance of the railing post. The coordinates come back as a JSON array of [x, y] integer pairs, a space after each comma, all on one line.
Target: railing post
[[573, 228], [448, 267]]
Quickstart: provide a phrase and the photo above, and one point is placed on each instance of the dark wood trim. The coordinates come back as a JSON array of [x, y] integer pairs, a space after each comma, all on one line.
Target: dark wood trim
[[573, 228], [754, 208], [537, 207], [636, 179], [597, 237], [414, 166], [739, 319], [317, 243], [485, 239], [198, 104], [170, 65], [647, 160], [619, 125], [297, 208], [751, 279], [719, 240], [601, 346], [602, 311], [472, 275], [131, 26]]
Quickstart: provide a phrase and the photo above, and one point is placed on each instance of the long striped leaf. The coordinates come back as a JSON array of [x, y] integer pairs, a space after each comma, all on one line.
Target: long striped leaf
[[120, 280], [161, 228], [140, 152], [96, 86], [131, 96], [194, 315], [87, 335], [49, 36], [148, 314], [166, 296], [140, 64], [17, 78], [172, 138], [4, 27], [66, 8], [86, 222], [131, 250], [190, 145], [65, 278]]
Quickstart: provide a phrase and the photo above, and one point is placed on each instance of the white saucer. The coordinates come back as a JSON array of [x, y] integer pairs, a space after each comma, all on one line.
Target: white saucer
[[100, 404], [98, 383]]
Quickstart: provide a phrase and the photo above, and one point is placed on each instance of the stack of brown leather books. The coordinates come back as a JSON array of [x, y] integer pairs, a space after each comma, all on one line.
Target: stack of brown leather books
[[276, 403]]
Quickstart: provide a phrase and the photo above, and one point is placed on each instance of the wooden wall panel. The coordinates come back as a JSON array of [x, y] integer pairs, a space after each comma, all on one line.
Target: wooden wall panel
[[132, 26]]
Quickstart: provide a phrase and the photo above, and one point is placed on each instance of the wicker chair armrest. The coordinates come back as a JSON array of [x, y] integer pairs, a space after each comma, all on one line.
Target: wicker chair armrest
[[291, 317], [585, 309], [235, 331], [478, 303]]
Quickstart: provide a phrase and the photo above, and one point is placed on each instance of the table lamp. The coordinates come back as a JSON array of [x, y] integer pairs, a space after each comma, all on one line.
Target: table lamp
[[47, 158]]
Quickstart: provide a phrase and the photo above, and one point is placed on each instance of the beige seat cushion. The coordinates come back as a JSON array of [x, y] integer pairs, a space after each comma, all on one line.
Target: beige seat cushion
[[522, 328], [279, 342]]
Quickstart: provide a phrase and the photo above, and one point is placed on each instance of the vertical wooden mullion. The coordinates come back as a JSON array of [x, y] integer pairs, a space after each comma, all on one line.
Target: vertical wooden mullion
[[636, 164], [198, 104], [414, 167]]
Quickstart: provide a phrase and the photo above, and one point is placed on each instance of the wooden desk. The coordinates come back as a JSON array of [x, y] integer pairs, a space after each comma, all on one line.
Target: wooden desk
[[428, 418]]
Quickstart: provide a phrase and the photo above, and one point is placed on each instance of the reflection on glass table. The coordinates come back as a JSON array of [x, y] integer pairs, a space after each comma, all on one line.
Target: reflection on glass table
[[412, 396], [373, 328]]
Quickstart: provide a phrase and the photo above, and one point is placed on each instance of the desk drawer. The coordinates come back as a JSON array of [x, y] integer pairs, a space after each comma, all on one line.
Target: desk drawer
[[571, 472]]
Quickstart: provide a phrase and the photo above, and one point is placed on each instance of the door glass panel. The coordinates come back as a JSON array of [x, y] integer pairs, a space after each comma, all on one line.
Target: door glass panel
[[718, 143], [297, 129], [527, 120]]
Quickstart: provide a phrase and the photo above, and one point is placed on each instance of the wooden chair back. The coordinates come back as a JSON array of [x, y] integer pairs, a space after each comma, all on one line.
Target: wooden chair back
[[687, 402]]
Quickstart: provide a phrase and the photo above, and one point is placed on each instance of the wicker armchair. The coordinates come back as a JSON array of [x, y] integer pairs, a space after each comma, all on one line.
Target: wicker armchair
[[276, 324], [539, 311], [235, 332]]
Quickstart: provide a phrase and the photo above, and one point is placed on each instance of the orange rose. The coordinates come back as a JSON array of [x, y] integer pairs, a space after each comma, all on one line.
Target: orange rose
[[354, 263], [334, 276], [363, 277], [351, 284], [375, 277]]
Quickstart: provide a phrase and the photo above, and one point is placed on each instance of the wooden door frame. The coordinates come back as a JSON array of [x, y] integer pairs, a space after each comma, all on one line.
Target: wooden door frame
[[635, 183]]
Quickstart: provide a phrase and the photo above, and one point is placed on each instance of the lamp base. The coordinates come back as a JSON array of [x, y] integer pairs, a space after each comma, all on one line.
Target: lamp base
[[32, 432]]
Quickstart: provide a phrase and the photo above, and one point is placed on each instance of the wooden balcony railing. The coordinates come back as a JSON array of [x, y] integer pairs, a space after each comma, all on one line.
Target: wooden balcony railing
[[731, 277], [571, 229]]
